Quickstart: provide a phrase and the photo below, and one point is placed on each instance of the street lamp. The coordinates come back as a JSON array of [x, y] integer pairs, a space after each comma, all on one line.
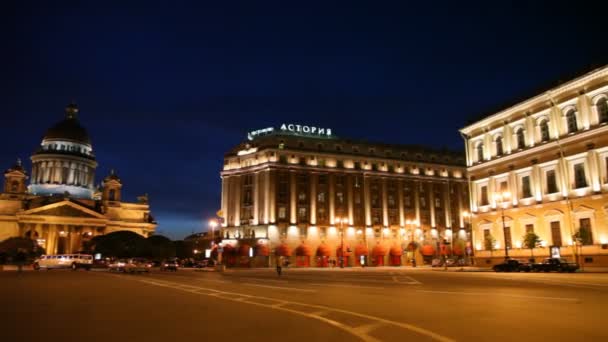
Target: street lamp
[[213, 224], [503, 198], [341, 221]]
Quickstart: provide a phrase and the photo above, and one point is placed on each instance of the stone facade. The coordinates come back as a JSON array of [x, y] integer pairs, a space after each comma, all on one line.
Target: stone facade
[[297, 195], [61, 208], [548, 155]]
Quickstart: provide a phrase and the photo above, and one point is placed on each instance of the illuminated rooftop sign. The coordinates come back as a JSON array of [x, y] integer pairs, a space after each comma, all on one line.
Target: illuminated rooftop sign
[[311, 131]]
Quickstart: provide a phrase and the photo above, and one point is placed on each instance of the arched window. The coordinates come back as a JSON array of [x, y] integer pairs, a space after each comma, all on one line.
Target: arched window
[[571, 121], [521, 140], [112, 195], [544, 130], [479, 152], [498, 143], [14, 186], [602, 110]]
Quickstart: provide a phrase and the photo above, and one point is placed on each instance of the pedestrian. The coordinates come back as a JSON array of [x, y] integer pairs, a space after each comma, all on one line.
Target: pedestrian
[[279, 269], [414, 262]]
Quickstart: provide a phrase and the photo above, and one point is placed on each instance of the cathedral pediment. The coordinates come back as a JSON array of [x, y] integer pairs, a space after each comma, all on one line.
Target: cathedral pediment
[[64, 209]]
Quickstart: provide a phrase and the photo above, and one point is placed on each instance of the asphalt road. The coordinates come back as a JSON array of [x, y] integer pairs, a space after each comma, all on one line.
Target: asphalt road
[[302, 305]]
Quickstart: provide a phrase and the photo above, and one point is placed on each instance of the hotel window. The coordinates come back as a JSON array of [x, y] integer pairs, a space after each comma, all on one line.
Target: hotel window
[[571, 121], [521, 140], [526, 190], [484, 195], [544, 130], [504, 186], [556, 234], [302, 214], [487, 239], [584, 231], [498, 142], [321, 214], [551, 182], [423, 201], [282, 213], [602, 110], [529, 228], [479, 149], [580, 181], [437, 202]]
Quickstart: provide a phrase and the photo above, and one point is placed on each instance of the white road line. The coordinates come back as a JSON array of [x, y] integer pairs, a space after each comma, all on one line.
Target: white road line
[[279, 306], [279, 287], [347, 285], [367, 328], [499, 294]]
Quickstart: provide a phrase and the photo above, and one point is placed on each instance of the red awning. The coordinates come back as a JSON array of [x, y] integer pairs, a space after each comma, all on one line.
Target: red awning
[[323, 251], [228, 249], [396, 251], [379, 250], [303, 250], [343, 251], [244, 249], [427, 250], [283, 250], [458, 251], [262, 250], [361, 250]]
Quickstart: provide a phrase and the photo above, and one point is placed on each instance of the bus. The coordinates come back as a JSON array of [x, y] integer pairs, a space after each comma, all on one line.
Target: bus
[[73, 261]]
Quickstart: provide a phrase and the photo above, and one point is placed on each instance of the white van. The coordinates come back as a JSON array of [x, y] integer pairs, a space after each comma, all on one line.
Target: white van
[[73, 261]]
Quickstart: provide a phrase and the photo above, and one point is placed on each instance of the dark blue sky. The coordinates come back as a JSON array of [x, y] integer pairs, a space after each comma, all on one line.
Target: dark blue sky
[[166, 88]]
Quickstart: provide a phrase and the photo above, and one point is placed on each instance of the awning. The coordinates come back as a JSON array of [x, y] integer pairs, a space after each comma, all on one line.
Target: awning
[[427, 250], [283, 250], [323, 251], [262, 250], [228, 249], [361, 250], [379, 250], [396, 251], [458, 251], [303, 250]]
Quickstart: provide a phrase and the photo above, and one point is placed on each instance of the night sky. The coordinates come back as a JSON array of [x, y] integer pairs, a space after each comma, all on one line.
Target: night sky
[[165, 89]]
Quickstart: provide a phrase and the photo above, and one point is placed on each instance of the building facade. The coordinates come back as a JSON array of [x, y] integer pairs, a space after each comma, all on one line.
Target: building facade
[[301, 194], [542, 165], [61, 208]]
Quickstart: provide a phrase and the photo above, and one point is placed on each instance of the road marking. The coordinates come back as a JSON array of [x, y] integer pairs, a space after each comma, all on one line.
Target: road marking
[[282, 303], [279, 287], [367, 328], [347, 285], [411, 281], [499, 294]]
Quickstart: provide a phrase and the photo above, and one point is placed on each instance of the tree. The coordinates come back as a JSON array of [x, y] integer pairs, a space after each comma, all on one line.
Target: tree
[[11, 246], [584, 236], [531, 241], [122, 244], [490, 243], [158, 247]]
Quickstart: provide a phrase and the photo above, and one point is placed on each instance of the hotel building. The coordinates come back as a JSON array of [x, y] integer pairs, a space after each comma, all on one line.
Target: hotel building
[[301, 194], [542, 165]]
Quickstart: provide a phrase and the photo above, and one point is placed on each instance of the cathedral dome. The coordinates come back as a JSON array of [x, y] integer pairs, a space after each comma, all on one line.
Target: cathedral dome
[[69, 128]]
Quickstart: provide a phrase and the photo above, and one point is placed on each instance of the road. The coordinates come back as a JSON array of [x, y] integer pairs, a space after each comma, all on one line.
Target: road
[[303, 304]]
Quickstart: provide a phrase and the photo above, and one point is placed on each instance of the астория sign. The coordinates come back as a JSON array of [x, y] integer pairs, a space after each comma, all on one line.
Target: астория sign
[[293, 128]]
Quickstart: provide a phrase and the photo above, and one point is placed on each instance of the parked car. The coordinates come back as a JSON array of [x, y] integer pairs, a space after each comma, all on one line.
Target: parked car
[[555, 265], [512, 265], [132, 265], [169, 265]]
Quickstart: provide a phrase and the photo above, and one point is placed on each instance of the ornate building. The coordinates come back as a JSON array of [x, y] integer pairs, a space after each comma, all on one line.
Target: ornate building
[[61, 208], [542, 165], [300, 193]]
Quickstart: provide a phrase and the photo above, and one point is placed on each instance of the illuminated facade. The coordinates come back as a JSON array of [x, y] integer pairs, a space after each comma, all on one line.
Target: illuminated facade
[[544, 162], [297, 192], [61, 208]]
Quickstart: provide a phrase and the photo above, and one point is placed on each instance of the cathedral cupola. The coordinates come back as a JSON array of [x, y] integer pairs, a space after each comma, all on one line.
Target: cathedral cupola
[[111, 188], [64, 163], [14, 179]]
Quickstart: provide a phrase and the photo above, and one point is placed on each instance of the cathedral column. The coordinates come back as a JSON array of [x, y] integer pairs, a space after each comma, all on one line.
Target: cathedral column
[[51, 243]]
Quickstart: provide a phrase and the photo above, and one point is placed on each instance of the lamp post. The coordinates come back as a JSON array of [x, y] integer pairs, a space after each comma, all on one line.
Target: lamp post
[[213, 224], [341, 222], [504, 198]]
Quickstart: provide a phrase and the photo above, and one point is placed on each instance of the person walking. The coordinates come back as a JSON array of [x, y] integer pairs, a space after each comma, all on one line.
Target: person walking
[[279, 267]]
